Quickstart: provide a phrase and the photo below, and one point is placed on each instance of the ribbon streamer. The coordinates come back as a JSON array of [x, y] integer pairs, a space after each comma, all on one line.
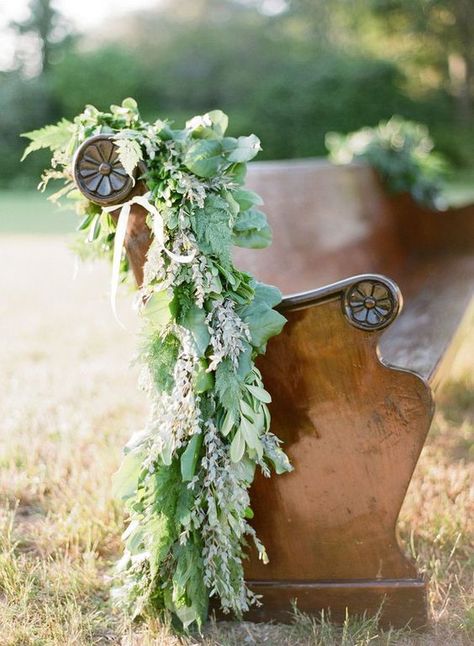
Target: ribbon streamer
[[120, 233]]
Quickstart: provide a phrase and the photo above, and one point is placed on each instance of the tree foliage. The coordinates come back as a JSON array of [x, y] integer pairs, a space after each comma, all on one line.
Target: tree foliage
[[290, 77]]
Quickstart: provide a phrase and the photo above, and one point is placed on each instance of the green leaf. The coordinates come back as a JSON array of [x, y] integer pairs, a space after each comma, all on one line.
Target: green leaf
[[52, 137], [249, 513], [194, 320], [246, 199], [161, 354], [94, 229], [159, 538], [157, 308], [250, 219], [237, 447], [259, 393], [228, 388], [263, 321], [204, 157], [84, 223], [251, 230], [204, 379], [130, 104], [129, 153], [245, 149], [245, 361], [267, 293], [213, 228], [190, 456], [125, 480], [249, 432], [228, 423], [211, 125]]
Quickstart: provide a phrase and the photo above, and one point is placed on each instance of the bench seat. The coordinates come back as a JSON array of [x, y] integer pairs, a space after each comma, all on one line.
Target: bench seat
[[435, 318]]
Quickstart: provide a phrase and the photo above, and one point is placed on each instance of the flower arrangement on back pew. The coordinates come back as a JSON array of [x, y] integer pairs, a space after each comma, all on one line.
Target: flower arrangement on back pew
[[185, 478]]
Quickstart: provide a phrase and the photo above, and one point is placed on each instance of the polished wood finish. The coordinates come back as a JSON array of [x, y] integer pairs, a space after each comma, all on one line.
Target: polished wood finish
[[403, 601], [354, 429], [353, 425]]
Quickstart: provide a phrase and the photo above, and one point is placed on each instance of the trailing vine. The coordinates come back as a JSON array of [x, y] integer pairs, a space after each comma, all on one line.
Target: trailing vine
[[185, 477]]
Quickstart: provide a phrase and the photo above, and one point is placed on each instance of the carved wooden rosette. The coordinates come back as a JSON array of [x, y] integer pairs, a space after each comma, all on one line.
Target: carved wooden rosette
[[372, 304], [101, 178], [98, 173]]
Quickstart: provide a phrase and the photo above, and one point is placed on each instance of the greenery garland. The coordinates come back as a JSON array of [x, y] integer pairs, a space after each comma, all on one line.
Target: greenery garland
[[185, 477], [402, 152]]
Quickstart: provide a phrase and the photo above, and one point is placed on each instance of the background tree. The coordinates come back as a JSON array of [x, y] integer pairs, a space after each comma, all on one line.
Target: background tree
[[48, 30], [443, 43]]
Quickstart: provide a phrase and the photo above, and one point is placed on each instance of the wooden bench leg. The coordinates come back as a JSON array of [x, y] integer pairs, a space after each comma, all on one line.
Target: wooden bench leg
[[353, 429]]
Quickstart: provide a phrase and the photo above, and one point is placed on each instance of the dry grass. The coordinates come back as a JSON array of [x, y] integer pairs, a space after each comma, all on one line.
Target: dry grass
[[69, 401]]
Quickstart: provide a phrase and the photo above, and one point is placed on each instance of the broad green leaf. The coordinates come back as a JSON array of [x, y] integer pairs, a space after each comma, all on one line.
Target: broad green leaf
[[238, 172], [130, 104], [267, 293], [167, 452], [211, 125], [133, 537], [204, 379], [190, 456], [253, 238], [263, 321], [52, 137], [245, 469], [220, 121], [157, 308], [246, 199], [204, 157], [250, 219], [245, 149], [237, 447], [195, 322], [125, 480]]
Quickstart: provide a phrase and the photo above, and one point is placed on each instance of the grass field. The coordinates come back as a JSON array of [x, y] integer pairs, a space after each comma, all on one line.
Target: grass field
[[69, 402]]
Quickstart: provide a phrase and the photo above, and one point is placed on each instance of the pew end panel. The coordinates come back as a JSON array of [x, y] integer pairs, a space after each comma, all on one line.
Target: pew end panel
[[354, 428]]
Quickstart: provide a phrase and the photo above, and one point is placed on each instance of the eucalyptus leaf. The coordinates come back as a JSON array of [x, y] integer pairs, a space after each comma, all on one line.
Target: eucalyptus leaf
[[237, 446], [260, 393], [190, 457]]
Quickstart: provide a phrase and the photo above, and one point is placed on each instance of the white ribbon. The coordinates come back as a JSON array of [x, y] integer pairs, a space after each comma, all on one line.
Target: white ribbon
[[120, 233]]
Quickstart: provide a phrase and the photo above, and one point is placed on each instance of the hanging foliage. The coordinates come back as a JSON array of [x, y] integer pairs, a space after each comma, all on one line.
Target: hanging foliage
[[185, 477]]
